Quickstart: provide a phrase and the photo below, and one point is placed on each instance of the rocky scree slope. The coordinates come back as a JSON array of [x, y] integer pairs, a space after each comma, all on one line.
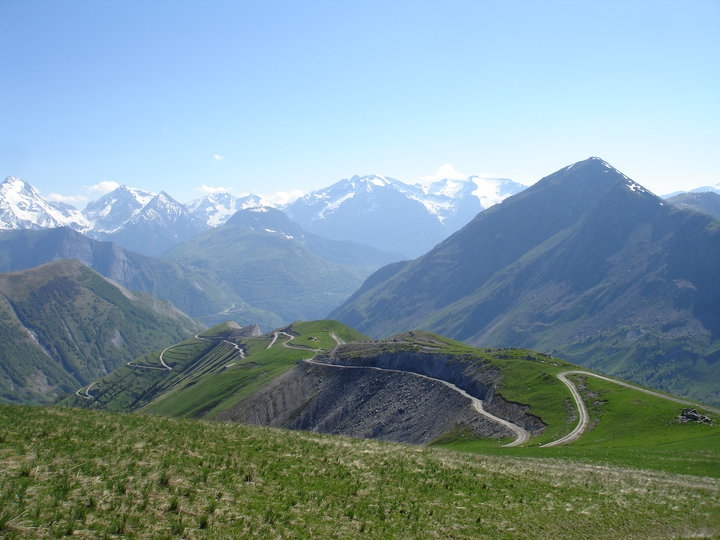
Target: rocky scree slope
[[392, 405]]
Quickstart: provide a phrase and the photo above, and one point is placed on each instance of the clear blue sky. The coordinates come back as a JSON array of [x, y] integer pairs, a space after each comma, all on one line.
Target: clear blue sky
[[265, 96]]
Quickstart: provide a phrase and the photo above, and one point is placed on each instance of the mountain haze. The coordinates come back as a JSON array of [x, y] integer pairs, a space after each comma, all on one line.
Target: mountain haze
[[393, 216], [276, 272], [585, 263], [192, 292]]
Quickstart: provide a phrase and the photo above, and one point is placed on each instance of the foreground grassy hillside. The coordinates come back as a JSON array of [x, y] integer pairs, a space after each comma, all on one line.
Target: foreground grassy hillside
[[94, 474]]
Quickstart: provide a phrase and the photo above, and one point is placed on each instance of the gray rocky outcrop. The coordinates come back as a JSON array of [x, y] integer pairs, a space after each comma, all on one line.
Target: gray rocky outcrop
[[395, 405]]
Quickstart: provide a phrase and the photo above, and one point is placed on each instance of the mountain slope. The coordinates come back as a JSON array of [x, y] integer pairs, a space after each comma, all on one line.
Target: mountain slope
[[585, 263], [191, 292], [707, 202], [63, 325], [265, 260]]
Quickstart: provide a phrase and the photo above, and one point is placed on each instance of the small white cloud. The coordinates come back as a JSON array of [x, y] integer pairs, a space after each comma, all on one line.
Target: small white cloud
[[67, 199], [280, 198], [218, 157], [213, 189], [447, 171], [106, 186]]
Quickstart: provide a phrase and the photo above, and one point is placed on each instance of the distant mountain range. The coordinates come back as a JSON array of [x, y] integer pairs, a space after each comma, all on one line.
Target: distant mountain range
[[586, 264], [706, 202], [396, 217], [380, 212], [402, 219]]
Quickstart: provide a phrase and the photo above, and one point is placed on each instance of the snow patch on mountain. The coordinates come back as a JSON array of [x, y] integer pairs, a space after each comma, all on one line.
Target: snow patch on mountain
[[22, 207], [215, 209], [112, 211]]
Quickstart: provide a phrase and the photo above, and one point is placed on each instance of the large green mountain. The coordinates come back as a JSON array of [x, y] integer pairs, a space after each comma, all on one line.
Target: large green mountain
[[586, 264], [280, 273], [63, 325], [194, 293]]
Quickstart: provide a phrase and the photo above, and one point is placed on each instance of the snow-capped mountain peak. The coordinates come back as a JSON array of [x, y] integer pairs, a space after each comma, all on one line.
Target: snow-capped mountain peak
[[114, 209], [705, 189], [22, 207], [216, 208], [162, 207], [369, 182]]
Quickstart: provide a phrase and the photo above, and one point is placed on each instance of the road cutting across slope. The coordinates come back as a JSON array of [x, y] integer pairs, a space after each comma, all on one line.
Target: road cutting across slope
[[584, 418], [521, 434]]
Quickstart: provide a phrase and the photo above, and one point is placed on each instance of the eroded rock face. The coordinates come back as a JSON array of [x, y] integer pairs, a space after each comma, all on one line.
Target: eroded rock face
[[397, 405], [392, 406]]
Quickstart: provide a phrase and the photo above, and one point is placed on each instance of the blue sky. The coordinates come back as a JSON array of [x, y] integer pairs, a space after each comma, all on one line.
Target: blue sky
[[279, 96]]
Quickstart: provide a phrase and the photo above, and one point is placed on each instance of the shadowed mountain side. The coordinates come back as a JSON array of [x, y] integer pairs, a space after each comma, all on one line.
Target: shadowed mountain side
[[585, 263], [392, 406]]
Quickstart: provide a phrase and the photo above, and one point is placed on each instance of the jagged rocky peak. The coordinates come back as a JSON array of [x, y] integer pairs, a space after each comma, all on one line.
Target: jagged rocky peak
[[368, 182], [22, 207], [115, 208]]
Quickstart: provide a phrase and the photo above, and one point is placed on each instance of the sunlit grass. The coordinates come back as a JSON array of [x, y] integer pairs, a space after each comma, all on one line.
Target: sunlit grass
[[92, 474]]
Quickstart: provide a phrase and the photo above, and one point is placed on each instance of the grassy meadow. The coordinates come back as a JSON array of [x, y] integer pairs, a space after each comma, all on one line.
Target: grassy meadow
[[95, 474]]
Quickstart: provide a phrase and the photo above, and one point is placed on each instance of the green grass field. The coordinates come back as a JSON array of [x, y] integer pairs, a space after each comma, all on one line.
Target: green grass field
[[627, 429], [637, 472], [96, 474]]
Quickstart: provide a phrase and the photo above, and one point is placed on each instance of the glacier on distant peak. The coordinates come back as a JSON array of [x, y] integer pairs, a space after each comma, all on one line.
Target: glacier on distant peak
[[22, 207]]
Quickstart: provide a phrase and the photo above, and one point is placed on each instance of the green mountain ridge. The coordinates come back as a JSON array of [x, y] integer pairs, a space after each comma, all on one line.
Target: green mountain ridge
[[280, 273], [323, 376], [637, 467], [64, 325]]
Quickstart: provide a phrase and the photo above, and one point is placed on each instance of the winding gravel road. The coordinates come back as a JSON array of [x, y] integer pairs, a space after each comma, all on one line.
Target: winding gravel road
[[521, 434], [582, 410]]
